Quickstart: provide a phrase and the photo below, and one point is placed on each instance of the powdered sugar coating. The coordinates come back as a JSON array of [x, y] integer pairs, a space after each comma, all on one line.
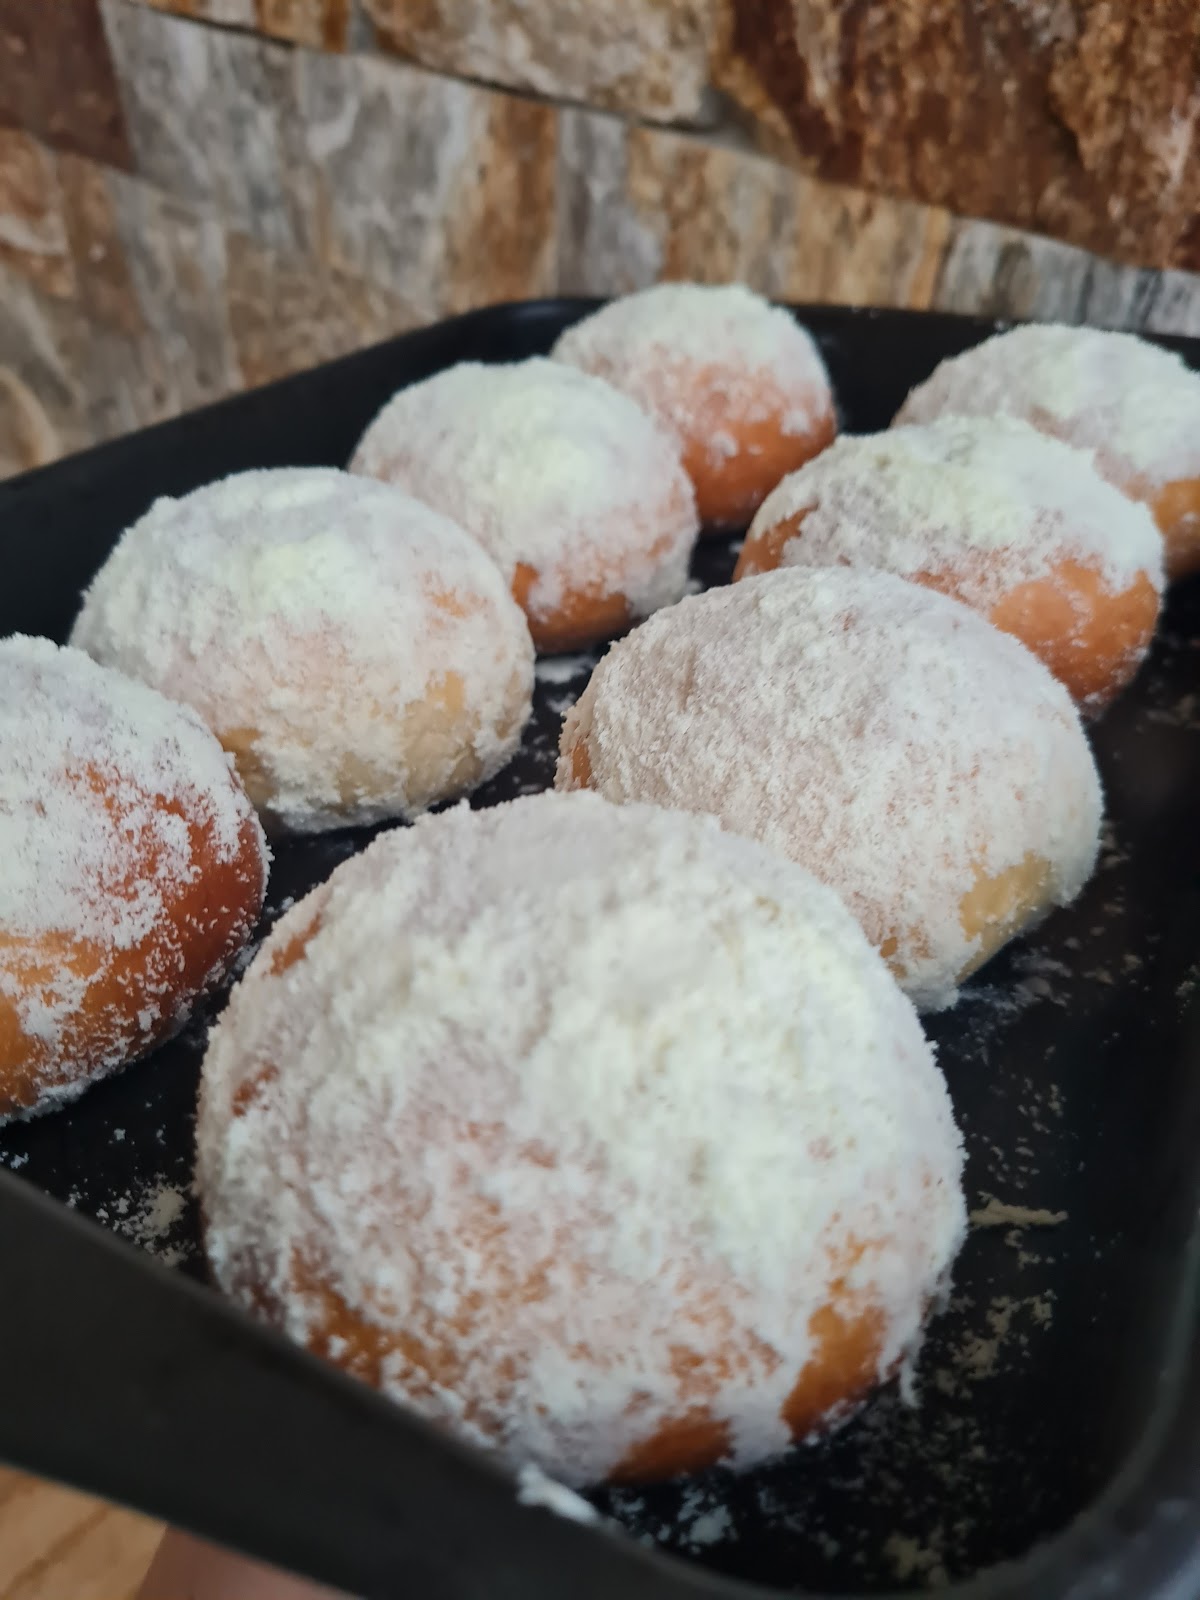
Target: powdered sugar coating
[[114, 803], [654, 345], [740, 384], [356, 650], [988, 500], [1135, 404], [878, 733], [550, 470], [594, 1098]]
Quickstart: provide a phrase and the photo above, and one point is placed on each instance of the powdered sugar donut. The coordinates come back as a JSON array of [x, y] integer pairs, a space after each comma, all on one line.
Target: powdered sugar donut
[[1011, 522], [355, 651], [597, 1135], [919, 761], [579, 497], [134, 869], [739, 382], [1136, 405]]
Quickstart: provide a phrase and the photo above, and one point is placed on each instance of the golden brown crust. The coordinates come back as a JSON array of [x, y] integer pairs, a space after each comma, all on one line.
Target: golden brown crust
[[1176, 509], [583, 617], [729, 492], [134, 997], [764, 547], [1091, 637], [586, 614]]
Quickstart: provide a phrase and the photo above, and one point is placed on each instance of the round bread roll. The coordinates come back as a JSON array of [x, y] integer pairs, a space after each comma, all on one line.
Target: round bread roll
[[355, 652], [920, 762], [1014, 524], [597, 1135], [1136, 405], [738, 382], [134, 870], [578, 497]]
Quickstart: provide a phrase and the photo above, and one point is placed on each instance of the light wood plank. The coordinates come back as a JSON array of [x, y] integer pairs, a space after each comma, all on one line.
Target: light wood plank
[[59, 1545]]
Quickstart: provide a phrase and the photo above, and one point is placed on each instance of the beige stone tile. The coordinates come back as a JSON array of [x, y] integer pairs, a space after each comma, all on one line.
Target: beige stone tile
[[1172, 303], [150, 336], [1006, 272], [211, 119], [33, 237], [169, 302], [645, 57], [850, 248], [637, 204], [295, 204], [285, 317], [28, 438], [42, 412], [605, 244], [499, 232], [177, 263], [120, 365], [440, 192], [107, 297]]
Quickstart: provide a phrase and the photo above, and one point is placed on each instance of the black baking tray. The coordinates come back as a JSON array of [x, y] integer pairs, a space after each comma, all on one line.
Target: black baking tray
[[1054, 1449]]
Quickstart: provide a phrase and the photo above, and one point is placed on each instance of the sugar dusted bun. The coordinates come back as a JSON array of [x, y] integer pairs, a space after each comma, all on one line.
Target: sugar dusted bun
[[920, 762], [595, 1134], [355, 651], [738, 382], [577, 495], [1016, 525], [133, 870], [1136, 405]]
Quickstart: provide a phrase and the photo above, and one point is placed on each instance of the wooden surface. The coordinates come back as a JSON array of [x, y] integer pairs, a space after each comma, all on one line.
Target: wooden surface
[[57, 1545]]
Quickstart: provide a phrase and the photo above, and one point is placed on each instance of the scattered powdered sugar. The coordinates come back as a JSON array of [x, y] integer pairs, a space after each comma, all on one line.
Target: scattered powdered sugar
[[153, 1218], [568, 675], [552, 471], [534, 1488], [356, 650], [878, 733], [108, 792], [584, 1110], [562, 669], [62, 715], [979, 1354], [1136, 405], [669, 345], [559, 704], [708, 1526], [1002, 1214], [988, 501], [911, 1559], [698, 1519]]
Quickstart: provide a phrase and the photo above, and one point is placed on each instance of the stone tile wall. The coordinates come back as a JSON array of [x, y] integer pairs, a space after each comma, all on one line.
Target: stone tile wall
[[200, 195]]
